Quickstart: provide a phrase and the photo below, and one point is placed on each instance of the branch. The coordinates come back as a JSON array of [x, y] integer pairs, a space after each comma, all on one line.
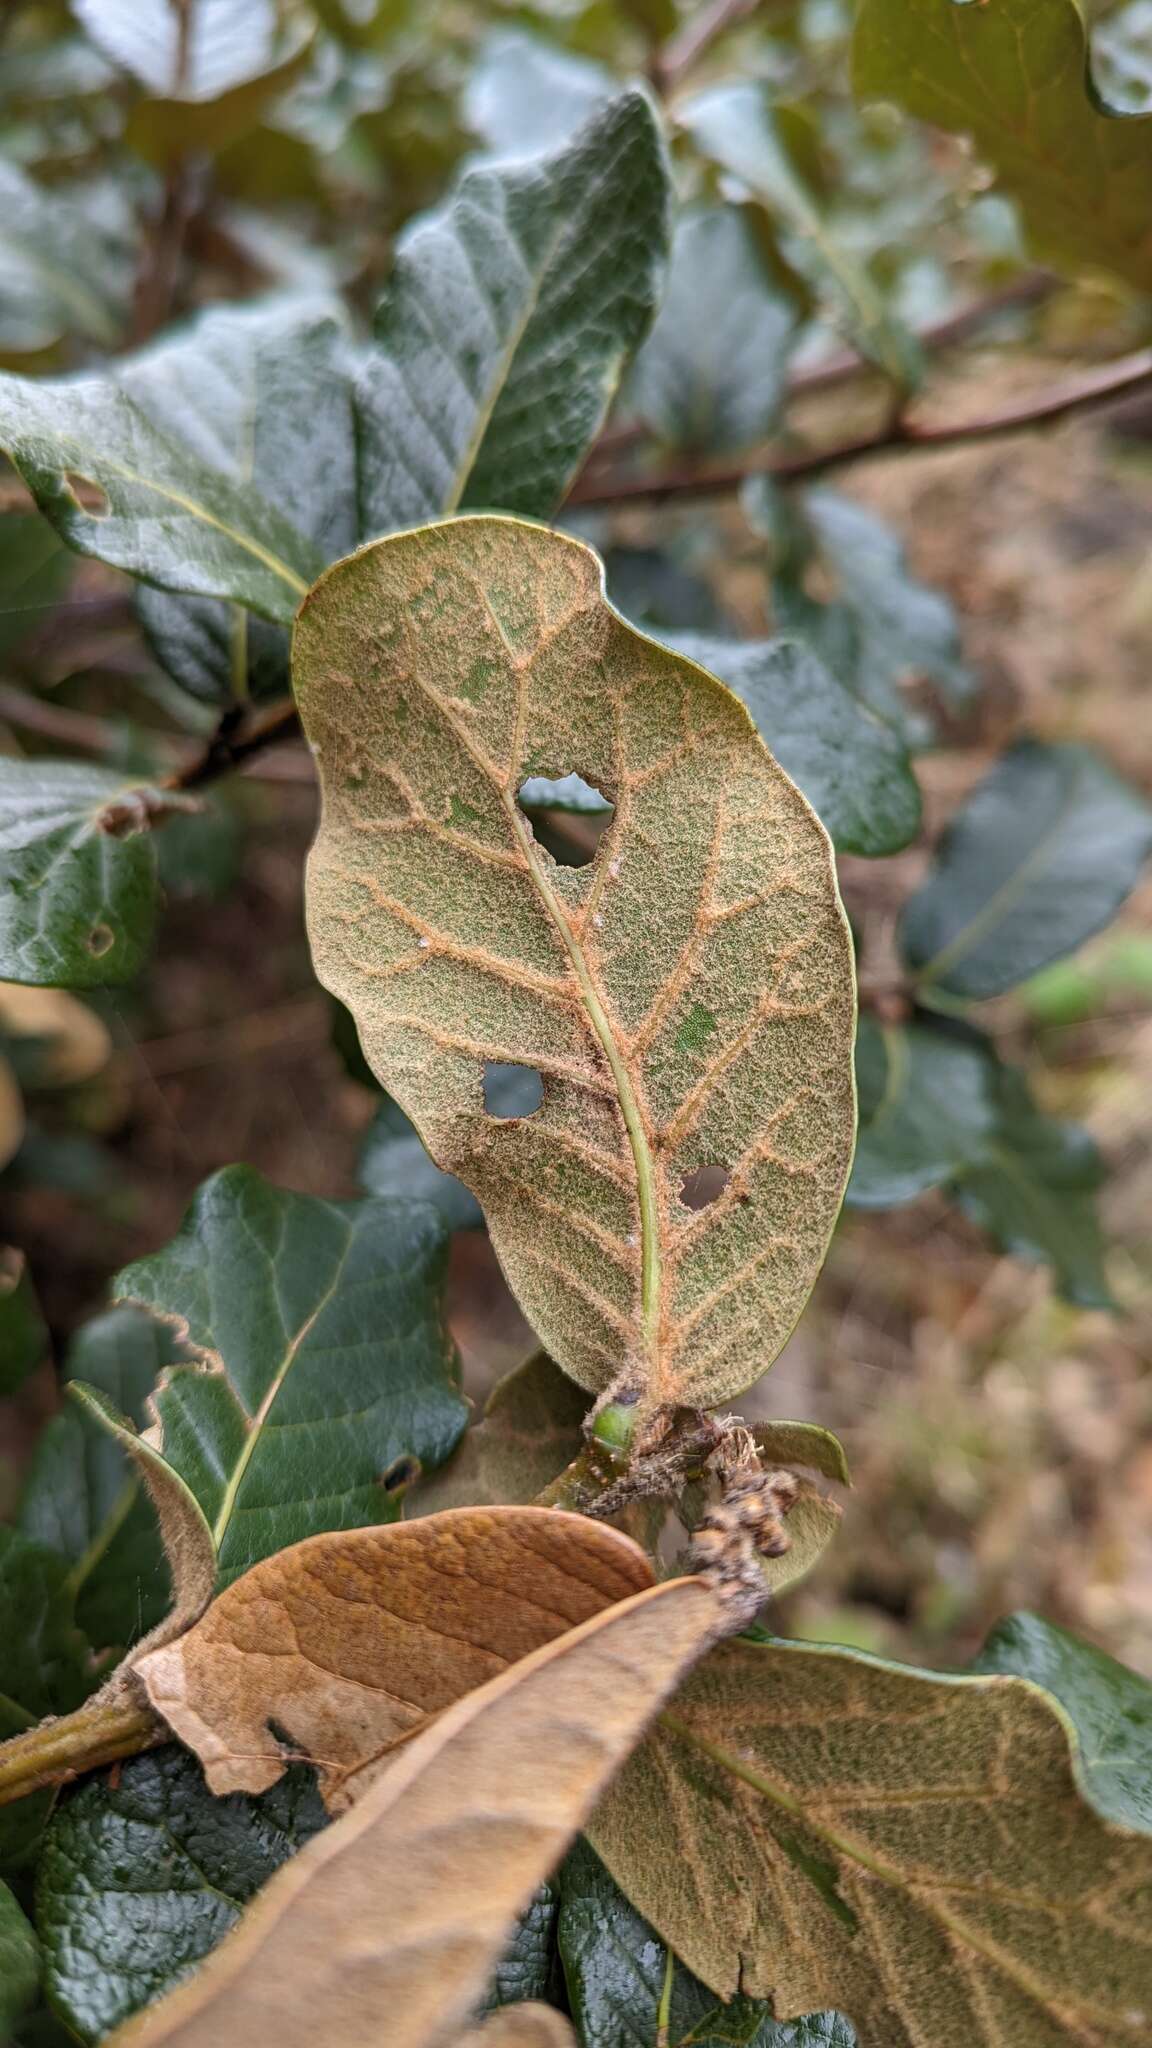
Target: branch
[[897, 437], [57, 1751], [706, 27], [234, 741]]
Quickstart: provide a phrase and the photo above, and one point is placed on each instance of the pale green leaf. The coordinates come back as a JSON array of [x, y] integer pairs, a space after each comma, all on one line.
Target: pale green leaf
[[66, 255], [686, 997], [525, 96], [229, 42]]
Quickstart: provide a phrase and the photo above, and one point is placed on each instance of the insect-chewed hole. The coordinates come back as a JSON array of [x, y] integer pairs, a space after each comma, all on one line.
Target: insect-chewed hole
[[100, 940], [511, 1091], [90, 496], [568, 816], [400, 1474], [703, 1185]]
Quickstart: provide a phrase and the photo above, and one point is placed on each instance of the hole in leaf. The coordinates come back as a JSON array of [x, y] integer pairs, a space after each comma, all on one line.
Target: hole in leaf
[[90, 496], [100, 939], [568, 816], [703, 1185], [400, 1474], [511, 1091]]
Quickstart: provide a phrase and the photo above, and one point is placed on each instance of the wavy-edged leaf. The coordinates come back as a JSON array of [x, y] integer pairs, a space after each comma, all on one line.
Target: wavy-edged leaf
[[711, 376], [351, 1641], [82, 1497], [147, 1872], [78, 869], [189, 1543], [738, 127], [852, 766], [923, 1852], [19, 1962], [525, 96], [261, 396], [530, 1430], [1015, 76], [508, 322], [623, 1984], [686, 997], [1041, 855], [321, 1328]]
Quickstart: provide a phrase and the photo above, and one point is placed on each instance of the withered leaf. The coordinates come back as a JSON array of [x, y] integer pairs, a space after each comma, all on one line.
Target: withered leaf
[[686, 997], [523, 2026], [393, 1917], [349, 1641]]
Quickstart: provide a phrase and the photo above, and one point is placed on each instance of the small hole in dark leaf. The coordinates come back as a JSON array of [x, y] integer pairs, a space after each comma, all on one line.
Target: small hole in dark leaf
[[100, 939], [703, 1185], [511, 1091], [90, 497], [568, 816]]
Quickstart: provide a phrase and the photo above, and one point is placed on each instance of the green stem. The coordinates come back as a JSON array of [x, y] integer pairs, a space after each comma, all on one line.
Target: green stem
[[592, 1471], [57, 1751]]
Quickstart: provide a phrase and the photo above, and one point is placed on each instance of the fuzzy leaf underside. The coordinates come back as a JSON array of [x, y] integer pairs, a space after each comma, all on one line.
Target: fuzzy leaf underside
[[686, 997]]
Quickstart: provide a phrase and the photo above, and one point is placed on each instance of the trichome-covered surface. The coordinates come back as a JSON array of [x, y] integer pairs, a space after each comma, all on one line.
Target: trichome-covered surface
[[686, 997]]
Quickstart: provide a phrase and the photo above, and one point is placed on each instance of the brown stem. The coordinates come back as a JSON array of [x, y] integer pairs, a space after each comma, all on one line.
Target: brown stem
[[685, 49], [899, 436], [57, 1751], [234, 741]]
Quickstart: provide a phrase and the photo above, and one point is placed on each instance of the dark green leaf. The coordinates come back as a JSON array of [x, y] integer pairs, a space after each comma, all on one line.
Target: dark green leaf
[[711, 375], [509, 320], [261, 396], [1110, 1707], [926, 1109], [525, 96], [82, 1497], [43, 1667], [395, 1161], [23, 1336], [1042, 854], [66, 262], [325, 1321], [738, 127], [77, 872], [616, 1971], [525, 1970], [136, 1884], [34, 571], [19, 1963], [852, 766]]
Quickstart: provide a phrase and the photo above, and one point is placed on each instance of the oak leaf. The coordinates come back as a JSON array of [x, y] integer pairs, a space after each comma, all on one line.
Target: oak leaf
[[686, 997], [349, 1641], [402, 1906]]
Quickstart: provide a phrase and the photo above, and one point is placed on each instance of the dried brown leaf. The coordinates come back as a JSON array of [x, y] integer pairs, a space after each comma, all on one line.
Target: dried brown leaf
[[686, 997], [348, 1641], [387, 1924], [522, 2026]]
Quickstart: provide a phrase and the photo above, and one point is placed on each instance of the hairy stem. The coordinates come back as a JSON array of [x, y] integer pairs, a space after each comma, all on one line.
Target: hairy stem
[[57, 1751]]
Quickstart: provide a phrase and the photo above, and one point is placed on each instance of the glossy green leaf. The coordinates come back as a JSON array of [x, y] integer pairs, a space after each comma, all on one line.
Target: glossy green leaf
[[323, 1323], [261, 396], [77, 872], [82, 1497], [525, 1971], [530, 1430], [738, 127], [19, 1963], [34, 572], [927, 1110], [23, 1336], [1110, 1706], [623, 1984], [525, 96], [710, 378], [1040, 856], [139, 1880], [1013, 74], [44, 1667], [66, 263], [852, 766], [509, 319]]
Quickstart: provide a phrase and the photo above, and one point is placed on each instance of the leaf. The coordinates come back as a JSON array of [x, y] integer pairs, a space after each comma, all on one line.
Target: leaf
[[491, 395], [19, 1963], [813, 1523], [229, 43], [524, 96], [803, 1443], [1014, 76], [67, 264], [917, 1849], [306, 1313], [523, 2026], [43, 1668], [1042, 854], [394, 1161], [261, 396], [141, 1877], [34, 572], [23, 1335], [53, 1040], [686, 997], [351, 1641], [737, 126], [138, 469], [79, 871], [525, 1970], [851, 765], [82, 1498], [1110, 1706], [403, 1905], [711, 376], [531, 1429], [927, 1111], [617, 1972]]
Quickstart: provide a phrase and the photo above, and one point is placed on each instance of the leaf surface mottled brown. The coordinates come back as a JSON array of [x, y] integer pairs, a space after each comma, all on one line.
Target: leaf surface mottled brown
[[686, 997]]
